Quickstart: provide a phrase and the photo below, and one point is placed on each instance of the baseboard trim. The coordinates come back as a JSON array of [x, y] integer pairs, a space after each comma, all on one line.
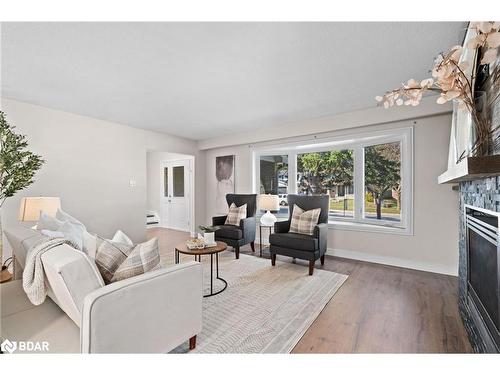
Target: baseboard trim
[[393, 261]]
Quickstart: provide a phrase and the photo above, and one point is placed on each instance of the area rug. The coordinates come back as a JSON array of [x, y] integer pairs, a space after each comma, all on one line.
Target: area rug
[[264, 309]]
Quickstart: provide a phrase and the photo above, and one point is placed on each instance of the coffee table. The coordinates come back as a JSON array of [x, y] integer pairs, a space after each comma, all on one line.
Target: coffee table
[[214, 250]]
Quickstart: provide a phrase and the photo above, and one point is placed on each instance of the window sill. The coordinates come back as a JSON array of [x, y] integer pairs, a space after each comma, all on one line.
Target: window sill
[[366, 227]]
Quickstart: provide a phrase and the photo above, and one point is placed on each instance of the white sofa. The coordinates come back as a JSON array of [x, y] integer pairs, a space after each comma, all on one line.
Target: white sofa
[[151, 313]]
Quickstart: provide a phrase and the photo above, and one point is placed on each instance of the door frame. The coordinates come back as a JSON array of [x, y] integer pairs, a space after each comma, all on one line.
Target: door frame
[[191, 191]]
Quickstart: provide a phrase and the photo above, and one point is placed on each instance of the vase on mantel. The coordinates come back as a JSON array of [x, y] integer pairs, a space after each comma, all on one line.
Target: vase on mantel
[[481, 138], [472, 130]]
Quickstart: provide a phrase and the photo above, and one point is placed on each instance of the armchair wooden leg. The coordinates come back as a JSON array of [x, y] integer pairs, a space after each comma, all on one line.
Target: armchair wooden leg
[[252, 245], [311, 267], [237, 251], [322, 260], [273, 259], [192, 342]]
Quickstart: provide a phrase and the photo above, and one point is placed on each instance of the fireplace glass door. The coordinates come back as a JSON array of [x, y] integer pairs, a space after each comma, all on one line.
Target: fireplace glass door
[[484, 266]]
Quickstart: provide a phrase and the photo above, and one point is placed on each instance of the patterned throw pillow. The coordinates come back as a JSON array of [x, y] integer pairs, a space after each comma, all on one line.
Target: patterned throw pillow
[[117, 261], [236, 214], [143, 258], [303, 222], [109, 256]]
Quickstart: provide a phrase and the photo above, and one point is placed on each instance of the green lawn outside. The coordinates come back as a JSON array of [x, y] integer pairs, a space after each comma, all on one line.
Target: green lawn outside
[[369, 206]]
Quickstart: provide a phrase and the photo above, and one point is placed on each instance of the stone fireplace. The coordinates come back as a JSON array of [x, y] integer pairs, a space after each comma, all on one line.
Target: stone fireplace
[[479, 264]]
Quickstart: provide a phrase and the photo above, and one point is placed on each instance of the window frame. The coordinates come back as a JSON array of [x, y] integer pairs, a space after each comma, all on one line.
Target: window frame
[[356, 142]]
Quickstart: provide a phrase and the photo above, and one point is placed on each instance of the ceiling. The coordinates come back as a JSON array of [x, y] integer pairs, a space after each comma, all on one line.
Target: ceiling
[[205, 80]]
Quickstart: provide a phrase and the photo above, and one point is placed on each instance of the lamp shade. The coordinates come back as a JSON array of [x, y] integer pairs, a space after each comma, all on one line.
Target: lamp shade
[[269, 202], [31, 207]]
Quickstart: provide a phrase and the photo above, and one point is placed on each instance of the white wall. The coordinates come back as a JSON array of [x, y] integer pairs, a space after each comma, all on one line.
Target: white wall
[[89, 163], [433, 247]]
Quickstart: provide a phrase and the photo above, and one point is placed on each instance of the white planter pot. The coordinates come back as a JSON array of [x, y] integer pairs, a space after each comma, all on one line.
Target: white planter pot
[[209, 237]]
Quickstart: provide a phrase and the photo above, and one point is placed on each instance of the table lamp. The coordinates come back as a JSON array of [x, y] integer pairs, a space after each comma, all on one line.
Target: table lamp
[[269, 203], [32, 206]]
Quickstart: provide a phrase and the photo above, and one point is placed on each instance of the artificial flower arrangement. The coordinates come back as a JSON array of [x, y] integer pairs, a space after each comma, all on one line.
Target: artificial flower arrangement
[[450, 80]]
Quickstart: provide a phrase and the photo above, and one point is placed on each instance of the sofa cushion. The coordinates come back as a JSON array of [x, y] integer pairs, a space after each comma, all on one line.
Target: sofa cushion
[[229, 231], [294, 241], [23, 321]]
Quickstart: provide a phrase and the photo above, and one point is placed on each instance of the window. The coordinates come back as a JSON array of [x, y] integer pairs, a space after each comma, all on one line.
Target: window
[[274, 179], [328, 172], [178, 181], [368, 177], [165, 181], [382, 185]]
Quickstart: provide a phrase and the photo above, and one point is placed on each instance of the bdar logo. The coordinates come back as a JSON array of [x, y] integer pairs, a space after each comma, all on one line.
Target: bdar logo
[[8, 346]]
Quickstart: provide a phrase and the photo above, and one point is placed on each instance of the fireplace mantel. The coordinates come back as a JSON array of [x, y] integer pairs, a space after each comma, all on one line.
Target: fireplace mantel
[[471, 168]]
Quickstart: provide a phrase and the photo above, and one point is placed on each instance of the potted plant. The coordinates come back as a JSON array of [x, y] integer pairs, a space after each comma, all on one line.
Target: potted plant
[[209, 233], [17, 166], [453, 78]]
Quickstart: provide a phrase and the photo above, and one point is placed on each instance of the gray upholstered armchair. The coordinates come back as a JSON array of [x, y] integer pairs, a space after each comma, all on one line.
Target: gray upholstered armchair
[[238, 235], [297, 245]]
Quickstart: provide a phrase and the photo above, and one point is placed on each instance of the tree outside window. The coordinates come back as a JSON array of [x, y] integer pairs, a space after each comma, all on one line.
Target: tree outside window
[[331, 173], [383, 181]]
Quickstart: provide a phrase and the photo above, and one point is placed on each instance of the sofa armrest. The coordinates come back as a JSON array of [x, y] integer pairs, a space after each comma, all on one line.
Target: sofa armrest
[[219, 220], [321, 233], [248, 226], [71, 275], [150, 313], [282, 226]]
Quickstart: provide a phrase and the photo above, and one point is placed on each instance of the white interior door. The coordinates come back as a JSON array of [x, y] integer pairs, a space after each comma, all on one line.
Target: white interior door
[[176, 193]]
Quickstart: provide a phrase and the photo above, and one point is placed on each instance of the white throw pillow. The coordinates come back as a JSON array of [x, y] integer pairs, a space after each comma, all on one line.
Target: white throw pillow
[[47, 222], [68, 230], [64, 216], [52, 233], [73, 232], [89, 242], [122, 238]]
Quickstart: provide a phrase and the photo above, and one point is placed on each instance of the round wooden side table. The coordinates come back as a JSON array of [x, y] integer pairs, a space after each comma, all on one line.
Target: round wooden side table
[[214, 250]]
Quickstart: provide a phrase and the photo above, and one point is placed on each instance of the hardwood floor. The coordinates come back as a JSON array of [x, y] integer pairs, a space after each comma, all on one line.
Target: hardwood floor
[[379, 309]]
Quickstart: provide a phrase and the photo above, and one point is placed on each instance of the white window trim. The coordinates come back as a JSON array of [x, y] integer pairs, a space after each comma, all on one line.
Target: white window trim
[[356, 142]]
